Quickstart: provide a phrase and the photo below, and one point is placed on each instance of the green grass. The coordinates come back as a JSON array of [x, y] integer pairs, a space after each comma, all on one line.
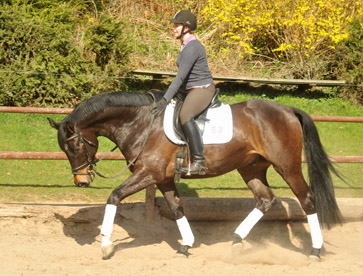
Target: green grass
[[46, 180]]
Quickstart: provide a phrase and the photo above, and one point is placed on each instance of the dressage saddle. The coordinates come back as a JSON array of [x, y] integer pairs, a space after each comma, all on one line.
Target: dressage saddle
[[200, 119]]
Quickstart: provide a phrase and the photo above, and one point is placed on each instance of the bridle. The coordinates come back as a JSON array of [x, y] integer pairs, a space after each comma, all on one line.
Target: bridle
[[90, 164]]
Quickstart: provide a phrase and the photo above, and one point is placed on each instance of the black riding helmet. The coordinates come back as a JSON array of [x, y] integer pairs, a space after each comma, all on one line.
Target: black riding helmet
[[186, 18]]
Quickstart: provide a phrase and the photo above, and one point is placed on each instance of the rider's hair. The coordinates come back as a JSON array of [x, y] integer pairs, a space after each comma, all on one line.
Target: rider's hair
[[197, 37]]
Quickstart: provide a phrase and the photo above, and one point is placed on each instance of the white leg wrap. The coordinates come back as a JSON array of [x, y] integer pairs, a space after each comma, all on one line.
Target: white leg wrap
[[105, 241], [107, 224], [185, 231], [316, 236], [247, 224]]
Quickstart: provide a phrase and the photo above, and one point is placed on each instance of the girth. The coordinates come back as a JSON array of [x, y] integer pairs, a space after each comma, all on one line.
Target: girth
[[200, 119]]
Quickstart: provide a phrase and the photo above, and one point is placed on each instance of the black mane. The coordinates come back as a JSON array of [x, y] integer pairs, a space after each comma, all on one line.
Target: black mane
[[100, 102]]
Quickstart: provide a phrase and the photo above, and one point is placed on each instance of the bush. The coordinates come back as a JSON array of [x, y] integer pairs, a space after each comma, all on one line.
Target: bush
[[59, 55], [297, 32], [348, 63]]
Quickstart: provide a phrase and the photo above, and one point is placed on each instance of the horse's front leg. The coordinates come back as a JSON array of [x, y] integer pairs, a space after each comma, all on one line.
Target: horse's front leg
[[172, 198], [135, 183]]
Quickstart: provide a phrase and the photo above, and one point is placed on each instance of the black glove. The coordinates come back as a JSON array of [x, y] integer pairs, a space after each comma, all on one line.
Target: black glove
[[160, 106]]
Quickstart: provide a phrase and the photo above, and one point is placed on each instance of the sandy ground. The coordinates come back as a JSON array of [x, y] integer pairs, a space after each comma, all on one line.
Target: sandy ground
[[64, 240]]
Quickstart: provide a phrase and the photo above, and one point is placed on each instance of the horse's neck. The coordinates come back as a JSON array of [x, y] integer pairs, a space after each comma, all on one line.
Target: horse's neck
[[123, 125]]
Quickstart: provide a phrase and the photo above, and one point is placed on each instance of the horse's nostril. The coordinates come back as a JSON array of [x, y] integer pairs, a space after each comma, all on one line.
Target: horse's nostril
[[82, 184]]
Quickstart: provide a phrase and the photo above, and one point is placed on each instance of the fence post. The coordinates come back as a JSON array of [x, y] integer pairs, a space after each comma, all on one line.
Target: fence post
[[149, 203]]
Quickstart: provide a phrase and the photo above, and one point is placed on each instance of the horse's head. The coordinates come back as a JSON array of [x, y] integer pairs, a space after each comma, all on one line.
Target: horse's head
[[80, 151]]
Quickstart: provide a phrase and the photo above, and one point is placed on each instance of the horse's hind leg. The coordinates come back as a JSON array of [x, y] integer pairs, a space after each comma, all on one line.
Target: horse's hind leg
[[255, 177], [293, 175], [172, 198]]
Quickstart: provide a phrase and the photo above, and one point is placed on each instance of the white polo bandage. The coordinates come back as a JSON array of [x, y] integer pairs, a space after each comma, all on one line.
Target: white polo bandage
[[316, 235], [108, 220], [247, 224], [185, 231]]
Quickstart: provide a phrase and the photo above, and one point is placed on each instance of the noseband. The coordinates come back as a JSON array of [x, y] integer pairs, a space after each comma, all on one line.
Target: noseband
[[89, 162]]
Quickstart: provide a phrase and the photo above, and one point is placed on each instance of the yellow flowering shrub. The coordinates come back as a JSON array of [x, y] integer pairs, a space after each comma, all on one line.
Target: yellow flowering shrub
[[291, 29]]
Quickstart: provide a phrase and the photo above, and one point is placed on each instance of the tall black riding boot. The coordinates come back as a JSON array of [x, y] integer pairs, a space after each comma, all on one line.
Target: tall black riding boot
[[195, 143]]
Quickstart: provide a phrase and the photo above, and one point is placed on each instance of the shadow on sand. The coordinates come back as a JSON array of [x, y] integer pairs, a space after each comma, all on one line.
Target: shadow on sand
[[132, 230]]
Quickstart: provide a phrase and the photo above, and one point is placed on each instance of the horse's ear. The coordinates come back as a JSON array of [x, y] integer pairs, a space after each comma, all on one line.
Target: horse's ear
[[53, 124], [70, 128]]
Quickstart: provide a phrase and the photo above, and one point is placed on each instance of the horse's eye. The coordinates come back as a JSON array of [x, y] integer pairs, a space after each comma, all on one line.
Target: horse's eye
[[70, 147]]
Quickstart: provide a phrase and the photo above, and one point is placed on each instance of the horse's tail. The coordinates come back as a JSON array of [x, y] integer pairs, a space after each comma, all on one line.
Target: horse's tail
[[319, 168]]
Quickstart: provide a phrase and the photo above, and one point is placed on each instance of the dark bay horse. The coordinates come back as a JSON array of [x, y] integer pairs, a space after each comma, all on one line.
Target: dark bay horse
[[264, 134]]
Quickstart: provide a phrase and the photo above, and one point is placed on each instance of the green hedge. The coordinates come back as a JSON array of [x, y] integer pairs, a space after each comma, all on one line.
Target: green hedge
[[349, 61], [59, 53], [56, 52]]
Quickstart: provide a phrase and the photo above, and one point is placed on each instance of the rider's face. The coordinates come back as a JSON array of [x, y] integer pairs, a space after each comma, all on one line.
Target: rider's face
[[177, 29]]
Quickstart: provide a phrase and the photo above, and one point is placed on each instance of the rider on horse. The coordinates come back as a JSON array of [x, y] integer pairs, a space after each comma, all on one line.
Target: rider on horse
[[195, 79]]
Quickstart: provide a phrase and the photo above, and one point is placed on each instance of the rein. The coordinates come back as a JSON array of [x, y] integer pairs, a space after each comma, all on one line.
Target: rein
[[84, 141], [93, 163]]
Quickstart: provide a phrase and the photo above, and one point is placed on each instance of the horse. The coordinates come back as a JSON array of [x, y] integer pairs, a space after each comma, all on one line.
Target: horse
[[265, 134]]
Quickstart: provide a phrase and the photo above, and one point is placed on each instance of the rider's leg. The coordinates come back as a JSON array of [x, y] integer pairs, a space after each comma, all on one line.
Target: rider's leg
[[195, 143], [195, 102]]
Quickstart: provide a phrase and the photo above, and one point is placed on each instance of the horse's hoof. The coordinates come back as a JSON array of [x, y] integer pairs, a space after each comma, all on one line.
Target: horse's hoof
[[237, 245], [107, 251], [314, 258], [315, 255], [237, 248], [183, 252], [180, 255]]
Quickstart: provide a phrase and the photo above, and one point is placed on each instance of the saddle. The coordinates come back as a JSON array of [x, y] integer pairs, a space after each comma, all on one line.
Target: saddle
[[199, 120]]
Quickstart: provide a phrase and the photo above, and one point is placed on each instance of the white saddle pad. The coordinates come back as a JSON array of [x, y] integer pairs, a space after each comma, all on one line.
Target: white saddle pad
[[218, 128]]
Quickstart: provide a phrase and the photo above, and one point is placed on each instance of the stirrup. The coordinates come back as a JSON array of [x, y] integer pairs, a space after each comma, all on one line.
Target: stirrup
[[197, 167]]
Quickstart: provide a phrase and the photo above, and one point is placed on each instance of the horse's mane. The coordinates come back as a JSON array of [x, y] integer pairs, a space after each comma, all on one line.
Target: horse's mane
[[101, 102]]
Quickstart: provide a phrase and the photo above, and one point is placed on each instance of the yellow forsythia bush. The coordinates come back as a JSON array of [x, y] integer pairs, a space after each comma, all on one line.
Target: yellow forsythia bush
[[291, 29]]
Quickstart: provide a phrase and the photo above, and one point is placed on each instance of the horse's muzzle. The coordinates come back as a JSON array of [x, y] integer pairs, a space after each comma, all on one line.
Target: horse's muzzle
[[83, 178]]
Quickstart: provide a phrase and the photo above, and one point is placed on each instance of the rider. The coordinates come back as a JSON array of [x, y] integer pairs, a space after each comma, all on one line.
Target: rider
[[195, 79]]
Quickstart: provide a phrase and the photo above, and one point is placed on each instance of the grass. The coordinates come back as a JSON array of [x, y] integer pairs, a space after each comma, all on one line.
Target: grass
[[46, 180]]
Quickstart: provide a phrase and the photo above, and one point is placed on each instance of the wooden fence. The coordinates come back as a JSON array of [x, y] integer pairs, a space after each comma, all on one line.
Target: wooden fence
[[119, 156], [151, 201], [158, 76]]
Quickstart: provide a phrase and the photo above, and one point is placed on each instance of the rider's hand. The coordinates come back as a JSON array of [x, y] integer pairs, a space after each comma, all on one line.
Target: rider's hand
[[160, 106]]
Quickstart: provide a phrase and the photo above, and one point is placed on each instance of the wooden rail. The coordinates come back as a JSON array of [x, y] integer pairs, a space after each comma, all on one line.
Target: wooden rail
[[52, 155], [337, 119], [41, 110], [195, 209], [36, 110], [162, 75], [225, 209], [119, 156]]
